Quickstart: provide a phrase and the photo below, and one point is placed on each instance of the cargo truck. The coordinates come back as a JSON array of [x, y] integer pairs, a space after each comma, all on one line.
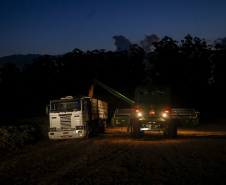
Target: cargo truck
[[76, 117]]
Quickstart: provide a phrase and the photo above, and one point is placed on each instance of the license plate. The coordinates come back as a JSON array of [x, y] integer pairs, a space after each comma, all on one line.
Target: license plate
[[66, 136]]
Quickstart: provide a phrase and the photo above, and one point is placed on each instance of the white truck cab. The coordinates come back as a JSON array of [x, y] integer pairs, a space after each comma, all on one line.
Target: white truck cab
[[72, 117]]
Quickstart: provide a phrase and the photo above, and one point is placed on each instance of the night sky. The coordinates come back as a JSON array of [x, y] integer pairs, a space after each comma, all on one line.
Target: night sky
[[58, 26]]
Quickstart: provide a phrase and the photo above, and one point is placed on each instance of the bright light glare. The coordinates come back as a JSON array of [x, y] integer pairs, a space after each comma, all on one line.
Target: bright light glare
[[139, 114], [164, 115]]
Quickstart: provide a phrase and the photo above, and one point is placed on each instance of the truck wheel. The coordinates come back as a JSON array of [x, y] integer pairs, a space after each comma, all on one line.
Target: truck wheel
[[95, 128], [87, 132], [92, 129], [171, 129], [102, 126]]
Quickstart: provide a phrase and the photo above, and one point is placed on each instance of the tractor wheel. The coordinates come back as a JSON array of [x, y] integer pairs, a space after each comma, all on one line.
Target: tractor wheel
[[171, 129]]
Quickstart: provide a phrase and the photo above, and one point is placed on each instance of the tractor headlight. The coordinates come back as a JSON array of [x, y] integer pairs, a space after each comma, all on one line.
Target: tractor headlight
[[139, 114], [164, 115]]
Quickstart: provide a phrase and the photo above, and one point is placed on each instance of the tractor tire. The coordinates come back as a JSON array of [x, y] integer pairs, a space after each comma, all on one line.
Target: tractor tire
[[171, 130]]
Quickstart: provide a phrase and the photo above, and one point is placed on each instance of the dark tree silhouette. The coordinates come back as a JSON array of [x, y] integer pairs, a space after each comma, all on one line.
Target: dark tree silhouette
[[194, 70], [186, 66], [10, 89], [196, 56], [165, 61]]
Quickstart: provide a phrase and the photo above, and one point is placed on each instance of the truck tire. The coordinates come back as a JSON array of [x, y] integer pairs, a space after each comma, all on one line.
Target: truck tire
[[95, 125], [102, 126], [87, 132], [92, 129], [171, 129]]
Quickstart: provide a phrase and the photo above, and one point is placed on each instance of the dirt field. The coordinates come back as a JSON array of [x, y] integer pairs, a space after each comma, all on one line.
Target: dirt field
[[197, 156]]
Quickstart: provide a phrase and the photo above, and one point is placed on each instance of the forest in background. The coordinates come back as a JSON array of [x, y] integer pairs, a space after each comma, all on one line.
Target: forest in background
[[194, 70]]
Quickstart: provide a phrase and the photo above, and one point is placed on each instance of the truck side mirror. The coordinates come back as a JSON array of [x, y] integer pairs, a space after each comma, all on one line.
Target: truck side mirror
[[47, 109]]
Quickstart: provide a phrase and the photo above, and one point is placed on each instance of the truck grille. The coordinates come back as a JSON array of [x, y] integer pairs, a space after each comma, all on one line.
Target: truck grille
[[65, 121]]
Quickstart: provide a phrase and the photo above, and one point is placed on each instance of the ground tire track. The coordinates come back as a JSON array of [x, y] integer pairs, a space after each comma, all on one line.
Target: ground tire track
[[97, 164], [115, 155]]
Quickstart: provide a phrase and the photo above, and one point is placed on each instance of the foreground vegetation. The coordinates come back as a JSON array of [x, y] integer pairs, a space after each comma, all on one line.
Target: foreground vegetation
[[22, 132]]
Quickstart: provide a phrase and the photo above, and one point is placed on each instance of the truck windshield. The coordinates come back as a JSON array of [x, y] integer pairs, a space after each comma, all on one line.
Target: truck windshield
[[65, 106]]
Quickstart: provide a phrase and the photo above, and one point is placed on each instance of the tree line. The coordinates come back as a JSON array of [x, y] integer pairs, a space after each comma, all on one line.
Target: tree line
[[194, 70]]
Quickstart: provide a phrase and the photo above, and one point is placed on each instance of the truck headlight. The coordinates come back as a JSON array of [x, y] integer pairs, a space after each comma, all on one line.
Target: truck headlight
[[52, 129], [80, 128]]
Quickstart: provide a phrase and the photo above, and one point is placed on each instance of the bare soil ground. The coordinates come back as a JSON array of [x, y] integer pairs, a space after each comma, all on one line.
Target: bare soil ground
[[196, 156]]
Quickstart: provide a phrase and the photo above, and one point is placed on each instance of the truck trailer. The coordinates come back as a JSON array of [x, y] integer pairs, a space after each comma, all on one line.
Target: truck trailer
[[76, 117]]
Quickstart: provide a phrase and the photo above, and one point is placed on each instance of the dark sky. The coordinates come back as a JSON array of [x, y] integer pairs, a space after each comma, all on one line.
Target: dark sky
[[59, 26]]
